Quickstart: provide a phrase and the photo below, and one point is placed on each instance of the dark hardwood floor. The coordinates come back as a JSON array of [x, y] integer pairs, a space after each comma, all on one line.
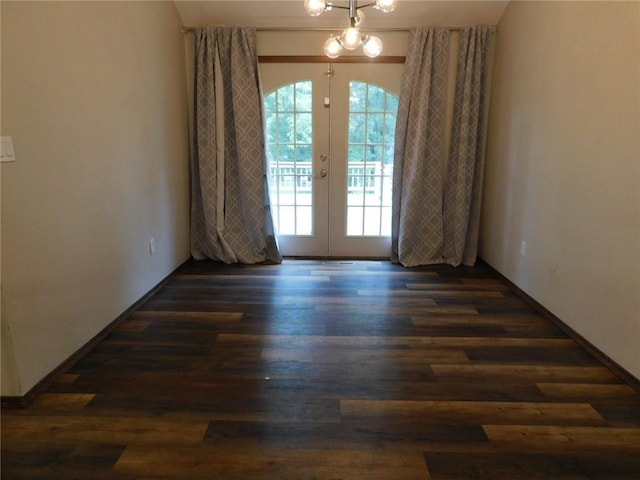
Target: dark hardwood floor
[[330, 370]]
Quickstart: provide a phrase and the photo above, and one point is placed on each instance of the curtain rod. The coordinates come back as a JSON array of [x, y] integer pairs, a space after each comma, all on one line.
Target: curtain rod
[[320, 29]]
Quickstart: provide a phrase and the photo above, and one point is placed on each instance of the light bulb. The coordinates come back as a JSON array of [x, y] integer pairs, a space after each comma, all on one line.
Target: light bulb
[[351, 38], [332, 47], [315, 7], [385, 6], [372, 46]]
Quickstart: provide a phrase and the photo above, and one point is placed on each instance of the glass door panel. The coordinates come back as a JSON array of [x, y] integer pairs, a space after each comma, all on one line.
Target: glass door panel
[[372, 120], [297, 149], [364, 109]]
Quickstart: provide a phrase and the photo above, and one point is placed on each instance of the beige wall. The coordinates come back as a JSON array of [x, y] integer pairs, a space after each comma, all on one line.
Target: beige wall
[[563, 166], [93, 94]]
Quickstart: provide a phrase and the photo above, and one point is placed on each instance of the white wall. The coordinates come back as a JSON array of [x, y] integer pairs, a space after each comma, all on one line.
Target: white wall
[[563, 166], [94, 96]]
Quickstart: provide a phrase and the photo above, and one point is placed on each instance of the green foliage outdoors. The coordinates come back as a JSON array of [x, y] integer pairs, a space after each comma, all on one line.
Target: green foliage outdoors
[[372, 117]]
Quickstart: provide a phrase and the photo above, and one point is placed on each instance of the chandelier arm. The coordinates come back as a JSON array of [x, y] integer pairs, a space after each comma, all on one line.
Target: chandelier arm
[[342, 7]]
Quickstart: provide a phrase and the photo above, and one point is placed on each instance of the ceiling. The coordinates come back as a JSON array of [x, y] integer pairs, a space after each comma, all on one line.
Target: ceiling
[[291, 13]]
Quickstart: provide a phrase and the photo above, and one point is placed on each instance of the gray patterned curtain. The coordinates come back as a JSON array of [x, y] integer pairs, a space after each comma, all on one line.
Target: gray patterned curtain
[[417, 228], [465, 169], [230, 215], [436, 203]]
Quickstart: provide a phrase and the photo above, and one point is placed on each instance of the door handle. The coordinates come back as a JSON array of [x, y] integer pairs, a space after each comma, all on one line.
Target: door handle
[[323, 172]]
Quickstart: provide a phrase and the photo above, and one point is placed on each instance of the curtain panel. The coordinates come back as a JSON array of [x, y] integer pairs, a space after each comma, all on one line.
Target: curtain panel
[[437, 200], [417, 228], [230, 214], [465, 169]]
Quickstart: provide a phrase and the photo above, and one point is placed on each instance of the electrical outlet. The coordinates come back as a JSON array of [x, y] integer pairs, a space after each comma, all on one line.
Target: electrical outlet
[[152, 246], [523, 249]]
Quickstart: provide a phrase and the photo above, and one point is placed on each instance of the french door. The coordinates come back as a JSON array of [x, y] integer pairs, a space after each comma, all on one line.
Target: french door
[[330, 140]]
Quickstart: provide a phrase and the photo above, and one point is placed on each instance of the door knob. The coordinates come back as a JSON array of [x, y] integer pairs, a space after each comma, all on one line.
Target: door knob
[[323, 173]]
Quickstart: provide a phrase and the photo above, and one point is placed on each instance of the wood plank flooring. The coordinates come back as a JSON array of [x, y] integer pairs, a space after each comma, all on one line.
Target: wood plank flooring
[[334, 370]]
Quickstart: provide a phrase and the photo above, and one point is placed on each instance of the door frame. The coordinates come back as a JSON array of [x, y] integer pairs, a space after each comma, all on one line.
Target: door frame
[[336, 243]]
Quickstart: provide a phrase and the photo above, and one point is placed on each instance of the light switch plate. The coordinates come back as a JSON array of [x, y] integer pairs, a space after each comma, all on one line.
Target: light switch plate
[[7, 152]]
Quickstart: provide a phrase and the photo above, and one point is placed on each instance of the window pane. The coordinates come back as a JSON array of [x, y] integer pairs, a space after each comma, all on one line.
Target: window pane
[[290, 153], [355, 196], [357, 125], [286, 184], [373, 195], [375, 154], [272, 152], [389, 127], [355, 183], [303, 97], [287, 223], [270, 102], [375, 128], [358, 97], [385, 222], [387, 189], [354, 221], [272, 127], [304, 196], [392, 103], [285, 98], [356, 153], [376, 99], [388, 154], [285, 127], [286, 153], [372, 221], [275, 212], [303, 128], [304, 221], [304, 153]]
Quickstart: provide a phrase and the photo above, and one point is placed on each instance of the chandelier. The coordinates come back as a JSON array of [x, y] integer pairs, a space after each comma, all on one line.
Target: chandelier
[[351, 37]]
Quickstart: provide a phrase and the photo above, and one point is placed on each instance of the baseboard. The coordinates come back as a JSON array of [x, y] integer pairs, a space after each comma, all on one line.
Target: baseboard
[[26, 400], [602, 357]]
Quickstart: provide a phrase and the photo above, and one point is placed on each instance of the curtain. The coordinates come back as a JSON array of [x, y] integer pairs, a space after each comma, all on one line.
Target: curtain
[[465, 169], [417, 225], [230, 214], [436, 201]]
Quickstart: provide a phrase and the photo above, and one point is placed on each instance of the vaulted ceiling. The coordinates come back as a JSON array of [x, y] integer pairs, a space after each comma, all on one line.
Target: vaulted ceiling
[[291, 13]]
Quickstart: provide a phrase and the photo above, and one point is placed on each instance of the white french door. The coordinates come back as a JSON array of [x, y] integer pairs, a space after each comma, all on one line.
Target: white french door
[[330, 138]]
